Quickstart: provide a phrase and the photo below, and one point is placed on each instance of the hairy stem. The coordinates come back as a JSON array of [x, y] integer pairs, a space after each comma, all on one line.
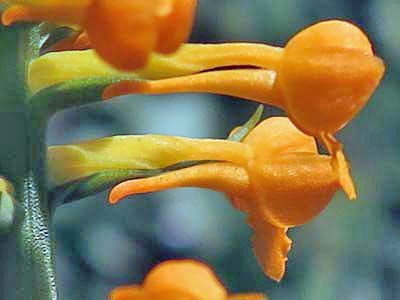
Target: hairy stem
[[34, 230], [23, 163]]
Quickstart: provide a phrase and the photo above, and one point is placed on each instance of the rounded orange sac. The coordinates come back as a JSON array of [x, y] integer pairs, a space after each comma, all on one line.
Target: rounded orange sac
[[125, 32], [122, 32], [175, 21], [179, 280], [327, 73], [290, 182], [184, 277]]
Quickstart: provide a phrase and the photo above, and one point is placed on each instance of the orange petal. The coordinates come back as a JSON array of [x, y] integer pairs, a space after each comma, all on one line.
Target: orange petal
[[186, 277], [247, 296], [253, 85], [276, 136], [122, 32], [129, 292], [175, 27], [223, 177], [340, 164], [58, 14], [271, 246]]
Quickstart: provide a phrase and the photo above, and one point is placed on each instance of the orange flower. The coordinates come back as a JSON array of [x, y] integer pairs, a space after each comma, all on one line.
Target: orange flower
[[281, 182], [322, 78], [179, 280], [123, 32]]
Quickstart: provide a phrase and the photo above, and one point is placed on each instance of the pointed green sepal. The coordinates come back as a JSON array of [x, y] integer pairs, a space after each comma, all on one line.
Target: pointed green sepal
[[70, 94]]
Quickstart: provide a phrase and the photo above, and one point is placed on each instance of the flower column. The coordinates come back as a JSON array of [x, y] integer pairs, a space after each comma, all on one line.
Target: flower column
[[22, 162]]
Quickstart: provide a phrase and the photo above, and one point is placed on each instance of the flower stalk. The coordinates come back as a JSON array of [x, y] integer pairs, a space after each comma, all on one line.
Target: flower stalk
[[23, 163]]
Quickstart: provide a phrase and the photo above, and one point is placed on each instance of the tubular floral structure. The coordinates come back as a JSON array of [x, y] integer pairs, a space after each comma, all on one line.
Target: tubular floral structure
[[322, 78]]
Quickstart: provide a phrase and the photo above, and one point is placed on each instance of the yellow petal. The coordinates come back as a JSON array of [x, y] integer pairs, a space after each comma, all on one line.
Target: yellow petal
[[196, 58], [222, 177], [271, 246], [189, 278], [55, 68], [70, 162], [58, 67]]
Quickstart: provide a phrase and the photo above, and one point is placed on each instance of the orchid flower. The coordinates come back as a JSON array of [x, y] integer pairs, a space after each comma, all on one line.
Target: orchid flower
[[179, 280], [276, 177], [123, 32]]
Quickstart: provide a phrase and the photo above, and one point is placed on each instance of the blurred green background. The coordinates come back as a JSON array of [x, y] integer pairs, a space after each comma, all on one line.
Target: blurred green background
[[351, 251]]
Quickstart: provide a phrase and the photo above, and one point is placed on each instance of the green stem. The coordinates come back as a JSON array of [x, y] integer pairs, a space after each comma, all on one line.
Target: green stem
[[35, 229], [23, 163]]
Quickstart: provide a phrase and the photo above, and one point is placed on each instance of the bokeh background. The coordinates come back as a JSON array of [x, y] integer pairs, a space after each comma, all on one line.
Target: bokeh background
[[351, 251]]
